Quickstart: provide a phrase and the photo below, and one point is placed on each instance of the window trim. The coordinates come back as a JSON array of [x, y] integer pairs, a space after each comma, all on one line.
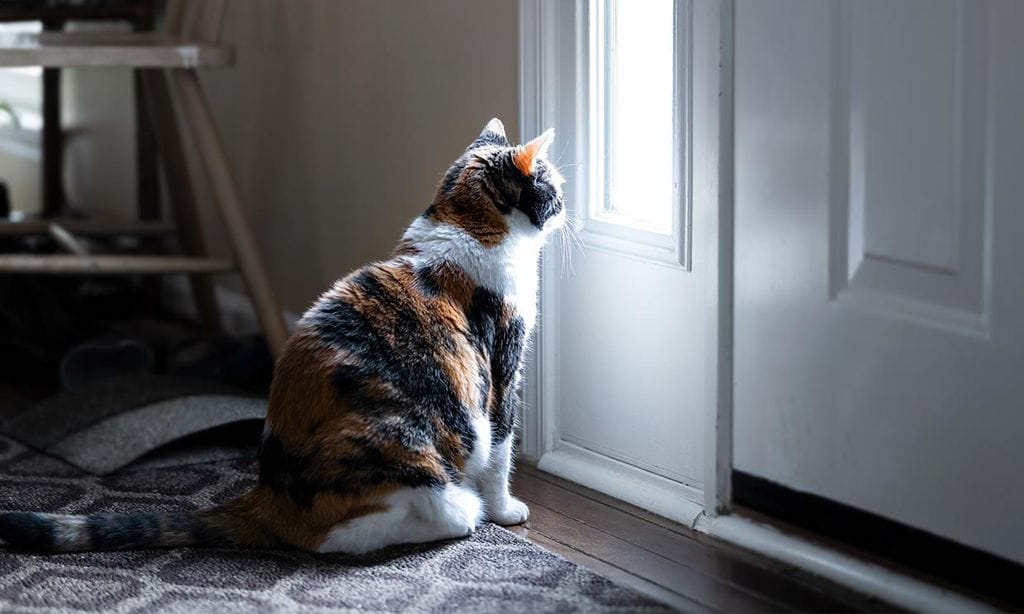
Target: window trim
[[607, 231]]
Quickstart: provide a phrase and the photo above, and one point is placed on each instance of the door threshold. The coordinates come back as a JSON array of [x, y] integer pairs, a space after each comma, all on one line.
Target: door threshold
[[765, 536], [668, 561], [806, 552]]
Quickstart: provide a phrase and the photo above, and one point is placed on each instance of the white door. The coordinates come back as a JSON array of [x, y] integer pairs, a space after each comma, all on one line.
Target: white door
[[618, 399], [879, 193]]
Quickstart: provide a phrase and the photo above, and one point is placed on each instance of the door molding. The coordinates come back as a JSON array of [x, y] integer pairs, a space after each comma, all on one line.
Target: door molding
[[550, 70], [554, 81]]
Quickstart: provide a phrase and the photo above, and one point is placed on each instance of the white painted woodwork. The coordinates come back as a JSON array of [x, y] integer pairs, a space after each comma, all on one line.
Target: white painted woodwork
[[22, 264], [131, 49], [879, 293], [616, 397], [630, 363], [84, 226], [67, 240], [891, 585]]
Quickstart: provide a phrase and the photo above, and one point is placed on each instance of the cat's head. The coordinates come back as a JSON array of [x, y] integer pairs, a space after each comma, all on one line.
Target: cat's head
[[495, 189]]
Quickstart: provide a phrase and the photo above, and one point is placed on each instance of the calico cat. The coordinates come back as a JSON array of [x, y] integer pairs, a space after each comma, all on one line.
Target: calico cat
[[392, 410]]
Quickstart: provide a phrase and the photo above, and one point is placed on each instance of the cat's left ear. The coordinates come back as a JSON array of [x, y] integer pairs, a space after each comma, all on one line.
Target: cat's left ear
[[496, 128], [525, 157], [493, 134]]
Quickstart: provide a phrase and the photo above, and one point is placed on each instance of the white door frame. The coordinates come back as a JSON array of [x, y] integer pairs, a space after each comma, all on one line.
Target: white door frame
[[553, 70]]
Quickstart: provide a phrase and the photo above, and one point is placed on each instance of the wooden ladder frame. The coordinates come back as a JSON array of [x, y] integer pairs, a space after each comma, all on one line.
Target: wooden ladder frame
[[172, 96], [205, 25]]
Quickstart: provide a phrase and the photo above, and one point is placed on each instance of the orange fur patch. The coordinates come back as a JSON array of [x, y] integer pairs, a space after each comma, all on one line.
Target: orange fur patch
[[466, 208], [525, 157]]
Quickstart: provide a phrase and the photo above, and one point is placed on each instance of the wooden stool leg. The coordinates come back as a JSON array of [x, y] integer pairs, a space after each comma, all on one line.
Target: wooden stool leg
[[147, 188], [208, 143], [160, 111], [148, 180], [53, 146]]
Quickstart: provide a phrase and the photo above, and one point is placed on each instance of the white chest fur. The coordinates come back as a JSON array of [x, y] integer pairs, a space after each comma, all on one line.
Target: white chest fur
[[509, 269]]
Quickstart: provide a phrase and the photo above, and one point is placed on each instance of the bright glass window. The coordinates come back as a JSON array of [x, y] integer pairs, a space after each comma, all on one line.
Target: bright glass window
[[637, 41], [21, 88]]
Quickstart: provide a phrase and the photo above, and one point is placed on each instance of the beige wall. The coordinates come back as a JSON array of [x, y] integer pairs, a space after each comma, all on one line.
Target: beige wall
[[339, 120]]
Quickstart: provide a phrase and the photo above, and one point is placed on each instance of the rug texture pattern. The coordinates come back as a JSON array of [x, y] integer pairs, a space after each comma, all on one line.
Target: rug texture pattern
[[105, 425], [492, 571]]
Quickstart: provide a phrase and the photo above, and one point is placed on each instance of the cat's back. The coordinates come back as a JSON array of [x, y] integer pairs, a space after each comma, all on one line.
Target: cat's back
[[392, 337], [390, 310]]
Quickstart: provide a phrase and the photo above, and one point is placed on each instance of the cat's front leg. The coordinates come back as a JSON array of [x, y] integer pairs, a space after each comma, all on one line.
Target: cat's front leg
[[492, 483]]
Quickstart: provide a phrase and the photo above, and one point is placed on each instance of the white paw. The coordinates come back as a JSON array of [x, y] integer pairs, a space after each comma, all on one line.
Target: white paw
[[464, 509], [509, 512]]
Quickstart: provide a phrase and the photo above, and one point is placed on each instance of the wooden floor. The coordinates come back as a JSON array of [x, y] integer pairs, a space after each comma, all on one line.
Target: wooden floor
[[680, 567]]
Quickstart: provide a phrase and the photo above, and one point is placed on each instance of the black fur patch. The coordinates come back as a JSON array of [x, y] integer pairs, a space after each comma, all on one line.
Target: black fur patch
[[283, 471], [369, 468], [489, 138], [483, 314], [28, 531], [402, 358], [509, 345], [426, 277], [502, 346], [451, 179], [123, 531], [193, 525], [538, 199]]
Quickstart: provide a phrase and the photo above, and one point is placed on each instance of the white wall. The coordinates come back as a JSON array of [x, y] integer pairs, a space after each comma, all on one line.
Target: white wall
[[339, 119]]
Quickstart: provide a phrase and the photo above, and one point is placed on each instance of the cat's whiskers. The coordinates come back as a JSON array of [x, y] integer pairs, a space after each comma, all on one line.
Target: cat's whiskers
[[565, 149], [569, 242]]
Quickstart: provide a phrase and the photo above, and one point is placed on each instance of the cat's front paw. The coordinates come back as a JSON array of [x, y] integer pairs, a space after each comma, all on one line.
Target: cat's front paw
[[509, 512]]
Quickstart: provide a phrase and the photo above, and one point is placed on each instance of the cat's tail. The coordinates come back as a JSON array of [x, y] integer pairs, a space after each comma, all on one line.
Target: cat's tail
[[229, 525]]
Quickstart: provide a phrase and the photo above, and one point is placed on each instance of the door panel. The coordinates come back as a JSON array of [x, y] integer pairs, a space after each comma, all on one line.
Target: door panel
[[631, 369], [618, 395], [909, 119], [879, 295]]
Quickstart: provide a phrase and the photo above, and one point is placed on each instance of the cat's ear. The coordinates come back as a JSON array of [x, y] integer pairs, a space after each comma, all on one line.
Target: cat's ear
[[493, 134], [525, 157], [494, 127]]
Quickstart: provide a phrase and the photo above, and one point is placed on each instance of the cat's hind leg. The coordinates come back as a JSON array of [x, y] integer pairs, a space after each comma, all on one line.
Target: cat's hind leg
[[413, 516]]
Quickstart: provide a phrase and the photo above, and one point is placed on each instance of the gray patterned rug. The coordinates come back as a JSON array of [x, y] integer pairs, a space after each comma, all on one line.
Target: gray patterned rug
[[105, 425], [493, 571]]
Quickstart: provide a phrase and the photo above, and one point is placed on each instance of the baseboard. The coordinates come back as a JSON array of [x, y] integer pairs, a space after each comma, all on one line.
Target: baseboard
[[959, 565], [237, 314], [682, 504], [662, 496], [889, 585]]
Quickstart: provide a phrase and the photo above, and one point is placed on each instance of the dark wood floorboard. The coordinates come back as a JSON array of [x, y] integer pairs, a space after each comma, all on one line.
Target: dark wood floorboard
[[620, 576], [666, 560]]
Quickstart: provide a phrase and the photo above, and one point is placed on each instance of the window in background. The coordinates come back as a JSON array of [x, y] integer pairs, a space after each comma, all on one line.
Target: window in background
[[638, 113], [21, 123], [639, 122], [21, 88]]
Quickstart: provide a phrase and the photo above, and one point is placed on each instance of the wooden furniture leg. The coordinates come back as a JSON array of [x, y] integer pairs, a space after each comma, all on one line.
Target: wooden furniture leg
[[207, 141], [147, 182], [148, 179], [53, 146], [159, 108], [192, 41]]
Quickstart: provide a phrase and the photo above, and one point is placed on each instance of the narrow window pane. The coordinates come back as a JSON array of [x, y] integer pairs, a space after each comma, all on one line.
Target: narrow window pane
[[639, 106]]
